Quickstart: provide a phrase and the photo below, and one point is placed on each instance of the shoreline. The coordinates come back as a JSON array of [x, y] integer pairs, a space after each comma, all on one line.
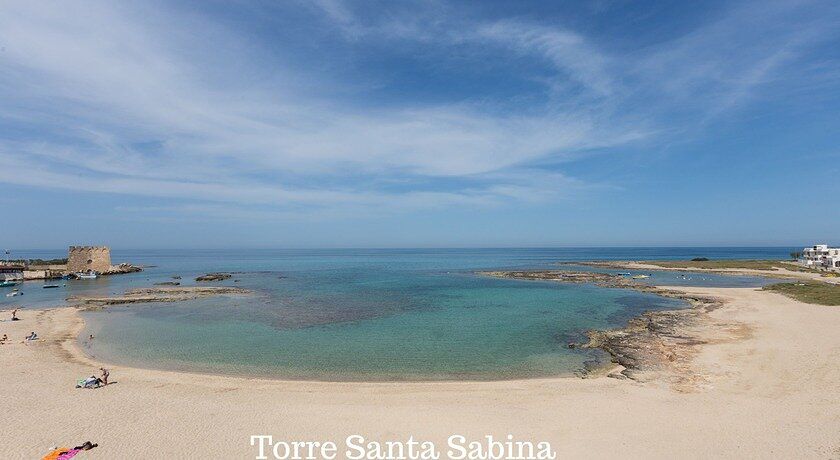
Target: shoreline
[[779, 273], [67, 345], [652, 343], [624, 360], [83, 356], [725, 408]]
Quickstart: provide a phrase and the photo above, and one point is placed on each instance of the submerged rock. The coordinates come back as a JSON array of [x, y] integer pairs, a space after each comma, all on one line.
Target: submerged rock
[[214, 277], [156, 294]]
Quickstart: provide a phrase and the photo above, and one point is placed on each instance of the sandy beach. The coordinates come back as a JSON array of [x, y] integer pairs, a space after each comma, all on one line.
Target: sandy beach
[[772, 390]]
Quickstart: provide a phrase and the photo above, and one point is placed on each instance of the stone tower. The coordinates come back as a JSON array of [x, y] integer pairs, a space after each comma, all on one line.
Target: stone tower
[[89, 258]]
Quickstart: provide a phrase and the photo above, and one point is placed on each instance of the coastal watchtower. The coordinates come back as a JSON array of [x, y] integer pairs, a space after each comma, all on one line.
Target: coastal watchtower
[[89, 258]]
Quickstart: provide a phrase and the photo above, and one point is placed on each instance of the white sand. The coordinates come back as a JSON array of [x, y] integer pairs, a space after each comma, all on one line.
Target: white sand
[[775, 393]]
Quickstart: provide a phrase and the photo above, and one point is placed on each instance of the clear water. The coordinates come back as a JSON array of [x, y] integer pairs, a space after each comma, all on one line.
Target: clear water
[[414, 314]]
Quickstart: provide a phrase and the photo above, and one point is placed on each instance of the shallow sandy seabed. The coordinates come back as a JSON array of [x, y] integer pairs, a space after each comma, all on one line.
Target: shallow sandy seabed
[[774, 392]]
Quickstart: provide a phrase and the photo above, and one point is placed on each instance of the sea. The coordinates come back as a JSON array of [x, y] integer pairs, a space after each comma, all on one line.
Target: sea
[[369, 314]]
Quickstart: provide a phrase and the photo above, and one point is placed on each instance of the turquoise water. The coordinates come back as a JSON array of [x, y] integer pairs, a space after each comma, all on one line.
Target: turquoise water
[[369, 314]]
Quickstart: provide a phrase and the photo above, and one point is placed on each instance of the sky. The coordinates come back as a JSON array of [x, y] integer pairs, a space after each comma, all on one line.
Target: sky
[[339, 123]]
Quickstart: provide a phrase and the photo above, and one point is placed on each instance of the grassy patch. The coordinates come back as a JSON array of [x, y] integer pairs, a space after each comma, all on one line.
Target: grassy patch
[[719, 264], [810, 292], [38, 262]]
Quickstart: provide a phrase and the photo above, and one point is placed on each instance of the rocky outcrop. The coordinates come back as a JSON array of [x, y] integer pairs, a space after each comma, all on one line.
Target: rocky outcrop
[[653, 343], [214, 277], [656, 344], [565, 276], [122, 269], [157, 294]]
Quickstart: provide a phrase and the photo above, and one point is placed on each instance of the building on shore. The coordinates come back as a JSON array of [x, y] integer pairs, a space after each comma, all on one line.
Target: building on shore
[[80, 259], [9, 272], [820, 256], [89, 259]]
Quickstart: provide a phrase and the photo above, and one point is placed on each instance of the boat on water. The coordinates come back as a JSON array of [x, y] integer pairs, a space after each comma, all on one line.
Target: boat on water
[[8, 283], [640, 277], [14, 294], [50, 286], [86, 276]]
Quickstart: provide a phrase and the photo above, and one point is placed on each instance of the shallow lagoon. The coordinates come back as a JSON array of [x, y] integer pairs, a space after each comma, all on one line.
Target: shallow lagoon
[[365, 315]]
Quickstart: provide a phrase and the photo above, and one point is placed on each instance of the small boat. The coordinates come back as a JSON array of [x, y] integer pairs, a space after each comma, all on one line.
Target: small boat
[[8, 283], [14, 294], [86, 276], [50, 286], [625, 274], [640, 277]]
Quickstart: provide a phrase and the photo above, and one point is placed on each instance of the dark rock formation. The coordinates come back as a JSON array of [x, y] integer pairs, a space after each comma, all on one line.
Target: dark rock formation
[[214, 277], [122, 269], [158, 294]]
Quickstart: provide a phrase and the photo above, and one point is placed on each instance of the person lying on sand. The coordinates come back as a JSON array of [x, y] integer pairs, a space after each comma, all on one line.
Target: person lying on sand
[[90, 382], [4, 339], [31, 336]]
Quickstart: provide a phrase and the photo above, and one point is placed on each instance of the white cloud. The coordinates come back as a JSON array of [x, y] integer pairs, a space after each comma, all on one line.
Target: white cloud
[[102, 81], [568, 51], [106, 80]]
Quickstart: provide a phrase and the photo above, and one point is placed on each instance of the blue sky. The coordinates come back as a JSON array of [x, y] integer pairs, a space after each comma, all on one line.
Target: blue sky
[[336, 123]]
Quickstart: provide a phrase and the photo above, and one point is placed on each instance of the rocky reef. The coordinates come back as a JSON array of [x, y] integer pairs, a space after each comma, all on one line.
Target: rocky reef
[[560, 275], [156, 294], [656, 344], [122, 269], [214, 277]]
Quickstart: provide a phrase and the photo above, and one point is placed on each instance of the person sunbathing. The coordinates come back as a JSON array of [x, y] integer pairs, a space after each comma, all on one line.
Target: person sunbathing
[[32, 336], [4, 339], [90, 382]]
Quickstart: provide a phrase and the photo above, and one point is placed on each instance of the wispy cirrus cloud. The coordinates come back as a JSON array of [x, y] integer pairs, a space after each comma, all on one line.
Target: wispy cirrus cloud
[[111, 97]]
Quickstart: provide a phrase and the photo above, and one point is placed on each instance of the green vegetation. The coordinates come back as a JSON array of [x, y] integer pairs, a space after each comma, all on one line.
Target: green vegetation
[[29, 262], [809, 292], [720, 264], [699, 259]]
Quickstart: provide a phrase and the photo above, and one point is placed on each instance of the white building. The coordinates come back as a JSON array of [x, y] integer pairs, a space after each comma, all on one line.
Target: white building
[[821, 256]]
